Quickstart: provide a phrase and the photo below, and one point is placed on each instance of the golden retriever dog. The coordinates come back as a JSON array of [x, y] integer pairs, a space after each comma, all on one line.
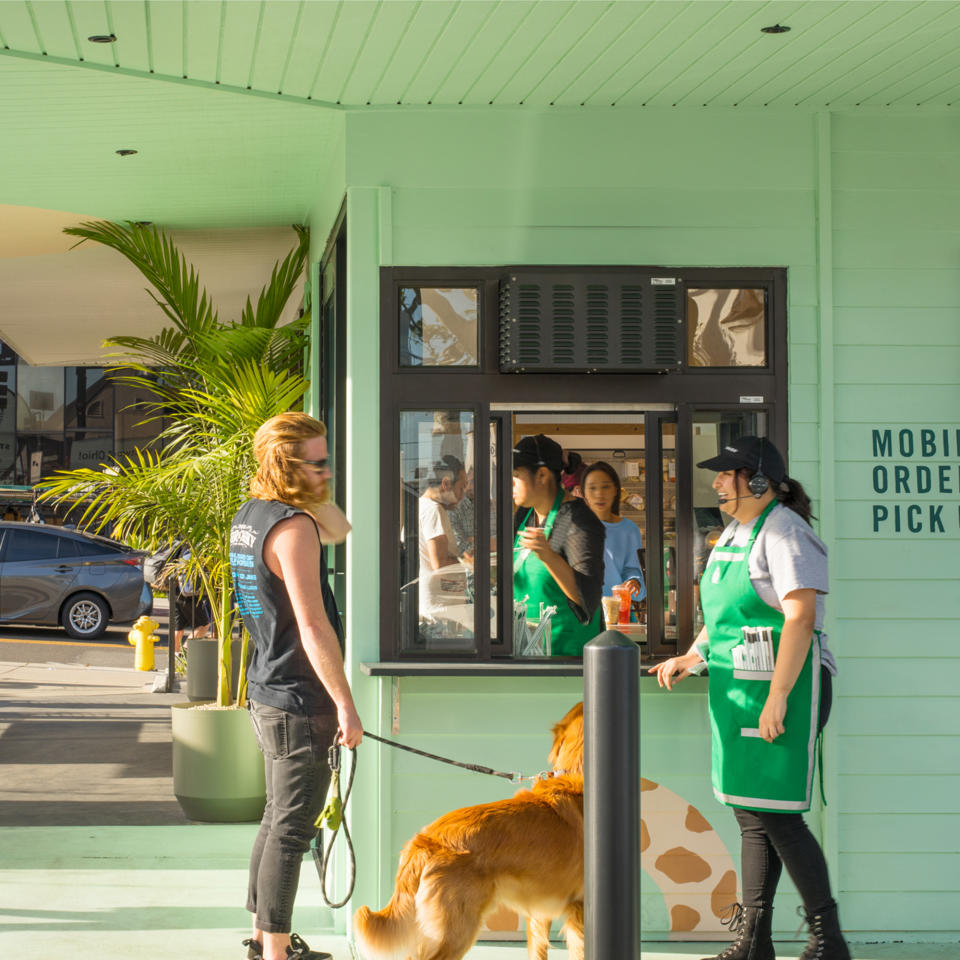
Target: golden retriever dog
[[525, 853]]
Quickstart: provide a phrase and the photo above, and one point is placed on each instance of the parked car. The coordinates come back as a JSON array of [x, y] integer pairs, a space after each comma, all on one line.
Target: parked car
[[50, 575]]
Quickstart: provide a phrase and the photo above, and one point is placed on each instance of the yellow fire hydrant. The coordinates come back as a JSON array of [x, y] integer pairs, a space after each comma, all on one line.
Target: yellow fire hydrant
[[143, 637]]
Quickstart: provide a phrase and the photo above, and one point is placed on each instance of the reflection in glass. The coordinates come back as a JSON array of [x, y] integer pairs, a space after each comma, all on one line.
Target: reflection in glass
[[712, 430], [668, 468], [438, 518], [134, 423], [37, 457], [493, 531], [89, 448], [89, 398], [39, 398], [438, 327], [726, 328]]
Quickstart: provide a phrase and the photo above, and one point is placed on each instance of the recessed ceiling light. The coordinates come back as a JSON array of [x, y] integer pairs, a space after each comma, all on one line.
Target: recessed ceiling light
[[103, 38], [126, 153], [776, 28]]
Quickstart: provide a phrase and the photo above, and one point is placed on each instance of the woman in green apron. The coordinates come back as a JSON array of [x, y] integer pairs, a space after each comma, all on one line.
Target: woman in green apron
[[558, 547], [770, 690]]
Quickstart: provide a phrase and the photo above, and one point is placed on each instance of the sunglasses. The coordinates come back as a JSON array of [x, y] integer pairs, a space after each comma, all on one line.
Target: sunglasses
[[323, 464]]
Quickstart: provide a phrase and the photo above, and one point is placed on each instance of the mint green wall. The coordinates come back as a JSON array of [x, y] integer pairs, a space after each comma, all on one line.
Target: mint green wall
[[896, 279], [862, 212]]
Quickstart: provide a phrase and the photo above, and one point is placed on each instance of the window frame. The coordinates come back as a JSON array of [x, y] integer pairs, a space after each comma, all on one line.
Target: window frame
[[489, 393]]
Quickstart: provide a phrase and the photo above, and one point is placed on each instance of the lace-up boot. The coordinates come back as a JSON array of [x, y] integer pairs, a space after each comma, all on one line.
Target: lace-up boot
[[753, 928], [826, 941]]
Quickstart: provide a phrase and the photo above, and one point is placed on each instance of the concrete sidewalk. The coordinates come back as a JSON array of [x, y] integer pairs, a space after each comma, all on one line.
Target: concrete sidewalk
[[97, 862]]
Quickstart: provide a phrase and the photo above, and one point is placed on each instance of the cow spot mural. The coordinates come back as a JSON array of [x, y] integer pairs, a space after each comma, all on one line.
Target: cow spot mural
[[686, 858]]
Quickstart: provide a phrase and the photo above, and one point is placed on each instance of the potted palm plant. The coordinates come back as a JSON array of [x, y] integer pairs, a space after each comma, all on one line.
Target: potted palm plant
[[213, 384]]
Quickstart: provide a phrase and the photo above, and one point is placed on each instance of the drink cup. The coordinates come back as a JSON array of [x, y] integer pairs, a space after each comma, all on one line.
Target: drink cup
[[624, 596], [611, 610]]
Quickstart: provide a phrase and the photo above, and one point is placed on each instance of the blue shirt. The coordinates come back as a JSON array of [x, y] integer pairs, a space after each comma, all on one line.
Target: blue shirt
[[620, 560]]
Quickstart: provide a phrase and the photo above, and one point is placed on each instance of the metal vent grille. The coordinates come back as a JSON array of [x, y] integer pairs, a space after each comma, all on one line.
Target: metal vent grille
[[590, 322]]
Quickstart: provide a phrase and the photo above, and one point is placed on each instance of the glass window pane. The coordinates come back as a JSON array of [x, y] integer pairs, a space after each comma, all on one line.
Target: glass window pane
[[89, 448], [134, 423], [712, 430], [37, 457], [89, 398], [438, 326], [23, 545], [436, 585], [726, 328], [669, 470], [39, 398]]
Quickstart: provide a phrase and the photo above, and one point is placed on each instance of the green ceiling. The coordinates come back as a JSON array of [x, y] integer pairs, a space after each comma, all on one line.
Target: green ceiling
[[509, 52]]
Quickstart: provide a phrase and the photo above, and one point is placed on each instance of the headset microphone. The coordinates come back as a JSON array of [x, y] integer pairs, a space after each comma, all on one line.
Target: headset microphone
[[758, 484]]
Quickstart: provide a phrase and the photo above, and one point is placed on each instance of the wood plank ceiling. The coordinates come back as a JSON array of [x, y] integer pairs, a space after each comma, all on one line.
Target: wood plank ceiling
[[576, 53]]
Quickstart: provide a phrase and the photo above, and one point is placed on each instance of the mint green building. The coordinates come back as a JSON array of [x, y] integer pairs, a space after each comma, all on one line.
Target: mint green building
[[800, 189]]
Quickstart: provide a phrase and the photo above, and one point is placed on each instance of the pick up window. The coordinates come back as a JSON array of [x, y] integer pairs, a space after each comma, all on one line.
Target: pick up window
[[456, 397]]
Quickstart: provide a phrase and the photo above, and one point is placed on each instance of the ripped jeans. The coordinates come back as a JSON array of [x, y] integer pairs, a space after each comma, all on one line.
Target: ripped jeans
[[294, 748]]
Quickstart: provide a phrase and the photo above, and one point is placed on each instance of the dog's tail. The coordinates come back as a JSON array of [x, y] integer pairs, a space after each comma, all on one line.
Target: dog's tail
[[392, 931]]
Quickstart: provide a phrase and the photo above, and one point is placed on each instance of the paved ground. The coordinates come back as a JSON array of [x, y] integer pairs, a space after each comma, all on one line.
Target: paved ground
[[98, 863]]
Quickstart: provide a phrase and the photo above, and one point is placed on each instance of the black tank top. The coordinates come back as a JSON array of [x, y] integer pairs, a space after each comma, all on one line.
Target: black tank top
[[280, 673]]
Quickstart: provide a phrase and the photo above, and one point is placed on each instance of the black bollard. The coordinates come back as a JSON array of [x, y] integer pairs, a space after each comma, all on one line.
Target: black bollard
[[611, 798], [172, 627]]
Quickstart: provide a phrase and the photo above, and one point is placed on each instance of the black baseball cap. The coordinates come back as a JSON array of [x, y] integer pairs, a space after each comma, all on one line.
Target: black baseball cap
[[756, 454], [538, 451]]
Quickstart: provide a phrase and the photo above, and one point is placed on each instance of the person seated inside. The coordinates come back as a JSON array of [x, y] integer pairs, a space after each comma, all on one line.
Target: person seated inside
[[442, 574]]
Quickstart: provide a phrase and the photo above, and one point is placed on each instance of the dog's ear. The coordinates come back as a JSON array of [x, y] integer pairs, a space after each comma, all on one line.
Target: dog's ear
[[567, 752]]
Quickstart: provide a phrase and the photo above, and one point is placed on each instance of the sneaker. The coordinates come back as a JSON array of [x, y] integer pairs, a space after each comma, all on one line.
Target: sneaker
[[298, 950]]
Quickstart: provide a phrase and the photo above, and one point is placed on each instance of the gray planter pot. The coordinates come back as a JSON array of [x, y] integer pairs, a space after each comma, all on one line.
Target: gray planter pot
[[217, 765], [202, 667]]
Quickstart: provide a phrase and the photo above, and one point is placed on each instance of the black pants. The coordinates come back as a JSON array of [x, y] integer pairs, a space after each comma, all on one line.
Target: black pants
[[771, 841], [294, 750]]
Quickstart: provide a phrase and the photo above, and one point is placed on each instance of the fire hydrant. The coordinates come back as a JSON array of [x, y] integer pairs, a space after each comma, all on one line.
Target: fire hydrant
[[143, 637]]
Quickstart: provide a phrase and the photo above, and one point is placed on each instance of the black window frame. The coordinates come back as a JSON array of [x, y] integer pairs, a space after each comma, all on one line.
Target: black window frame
[[687, 390]]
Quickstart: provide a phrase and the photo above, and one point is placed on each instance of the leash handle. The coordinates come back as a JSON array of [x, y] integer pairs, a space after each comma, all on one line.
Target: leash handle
[[322, 858]]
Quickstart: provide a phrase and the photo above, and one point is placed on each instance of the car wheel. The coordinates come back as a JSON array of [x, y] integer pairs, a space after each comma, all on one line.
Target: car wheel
[[85, 616]]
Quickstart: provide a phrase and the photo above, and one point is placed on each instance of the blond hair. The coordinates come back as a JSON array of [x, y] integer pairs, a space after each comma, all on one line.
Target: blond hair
[[278, 446]]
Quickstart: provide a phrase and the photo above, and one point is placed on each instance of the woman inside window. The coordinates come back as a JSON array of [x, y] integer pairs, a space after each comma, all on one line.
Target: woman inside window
[[558, 549], [621, 551]]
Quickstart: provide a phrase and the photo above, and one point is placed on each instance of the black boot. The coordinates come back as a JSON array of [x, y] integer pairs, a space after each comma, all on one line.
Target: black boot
[[753, 928], [826, 941]]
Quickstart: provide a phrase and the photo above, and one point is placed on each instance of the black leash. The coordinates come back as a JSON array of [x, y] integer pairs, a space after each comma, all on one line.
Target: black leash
[[475, 767], [333, 815]]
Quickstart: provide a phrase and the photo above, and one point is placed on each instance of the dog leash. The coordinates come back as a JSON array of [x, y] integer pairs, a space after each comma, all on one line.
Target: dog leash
[[475, 767], [332, 817], [333, 814]]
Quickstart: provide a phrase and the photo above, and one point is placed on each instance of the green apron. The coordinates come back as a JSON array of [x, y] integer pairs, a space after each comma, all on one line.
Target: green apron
[[747, 771], [532, 579]]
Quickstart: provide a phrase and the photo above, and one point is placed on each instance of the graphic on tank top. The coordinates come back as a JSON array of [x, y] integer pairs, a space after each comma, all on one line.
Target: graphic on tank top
[[244, 574]]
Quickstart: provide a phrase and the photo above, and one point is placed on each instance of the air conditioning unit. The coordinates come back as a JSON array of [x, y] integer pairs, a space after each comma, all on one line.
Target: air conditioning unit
[[587, 321]]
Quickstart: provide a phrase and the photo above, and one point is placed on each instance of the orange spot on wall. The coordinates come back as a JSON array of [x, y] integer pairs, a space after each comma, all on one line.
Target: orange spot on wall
[[647, 784], [723, 894], [502, 919], [644, 836], [683, 918], [696, 822], [683, 866]]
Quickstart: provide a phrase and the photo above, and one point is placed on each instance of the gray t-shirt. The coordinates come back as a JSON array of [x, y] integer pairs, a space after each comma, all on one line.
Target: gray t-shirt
[[787, 556]]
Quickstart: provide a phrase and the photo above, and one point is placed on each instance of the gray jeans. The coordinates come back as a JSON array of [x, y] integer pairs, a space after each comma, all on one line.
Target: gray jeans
[[294, 750]]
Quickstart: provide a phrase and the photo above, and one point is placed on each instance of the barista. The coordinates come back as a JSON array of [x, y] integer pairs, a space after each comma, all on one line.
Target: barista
[[558, 547]]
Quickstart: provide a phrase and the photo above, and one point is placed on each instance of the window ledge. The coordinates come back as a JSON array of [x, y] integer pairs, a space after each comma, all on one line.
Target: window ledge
[[457, 668]]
